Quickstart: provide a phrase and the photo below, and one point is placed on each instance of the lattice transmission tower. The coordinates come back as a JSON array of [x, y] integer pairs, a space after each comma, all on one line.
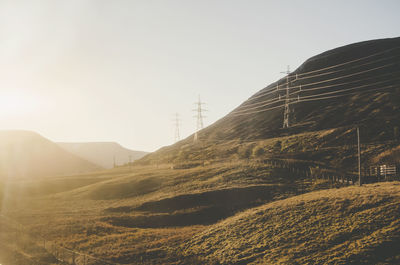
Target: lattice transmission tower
[[199, 109], [286, 114], [177, 124]]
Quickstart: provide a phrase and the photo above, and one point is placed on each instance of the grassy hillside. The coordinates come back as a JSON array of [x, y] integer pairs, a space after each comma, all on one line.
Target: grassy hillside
[[27, 154], [373, 65], [350, 86], [144, 214], [353, 225], [103, 153], [247, 191], [16, 247], [219, 216]]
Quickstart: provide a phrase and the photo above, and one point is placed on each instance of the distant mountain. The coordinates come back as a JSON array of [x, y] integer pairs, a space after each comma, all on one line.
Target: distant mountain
[[103, 153], [28, 154]]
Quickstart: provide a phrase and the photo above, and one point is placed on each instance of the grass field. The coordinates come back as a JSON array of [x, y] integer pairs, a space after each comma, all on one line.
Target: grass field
[[125, 215], [159, 215], [352, 225], [258, 204]]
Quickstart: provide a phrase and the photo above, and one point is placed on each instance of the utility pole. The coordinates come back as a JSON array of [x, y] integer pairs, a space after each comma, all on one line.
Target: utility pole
[[114, 162], [359, 156], [287, 109], [177, 123], [199, 117]]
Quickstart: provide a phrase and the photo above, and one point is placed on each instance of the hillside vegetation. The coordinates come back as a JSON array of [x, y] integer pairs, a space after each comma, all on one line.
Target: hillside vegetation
[[247, 191], [350, 86], [256, 224], [353, 225]]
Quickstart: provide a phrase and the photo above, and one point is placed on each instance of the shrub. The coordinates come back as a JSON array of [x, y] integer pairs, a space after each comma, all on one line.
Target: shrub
[[278, 146], [244, 152], [258, 151]]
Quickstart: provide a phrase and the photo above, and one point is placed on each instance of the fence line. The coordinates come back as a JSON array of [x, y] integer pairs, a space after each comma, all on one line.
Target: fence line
[[60, 253]]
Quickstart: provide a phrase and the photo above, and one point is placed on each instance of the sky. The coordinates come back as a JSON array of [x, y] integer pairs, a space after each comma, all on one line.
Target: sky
[[98, 70]]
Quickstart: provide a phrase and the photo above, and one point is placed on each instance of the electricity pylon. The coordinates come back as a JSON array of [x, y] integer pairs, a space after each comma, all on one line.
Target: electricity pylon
[[177, 123], [199, 109], [287, 100]]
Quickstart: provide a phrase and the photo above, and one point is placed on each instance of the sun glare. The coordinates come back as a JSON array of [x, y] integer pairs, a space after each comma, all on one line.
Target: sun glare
[[12, 104]]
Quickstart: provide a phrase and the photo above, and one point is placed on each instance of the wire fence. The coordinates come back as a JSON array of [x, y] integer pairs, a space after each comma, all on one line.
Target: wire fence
[[24, 239]]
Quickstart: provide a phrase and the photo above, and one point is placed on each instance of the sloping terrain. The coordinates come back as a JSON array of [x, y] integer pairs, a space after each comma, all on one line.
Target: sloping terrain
[[27, 154], [265, 225], [144, 214], [350, 86], [354, 84], [248, 191], [16, 247], [353, 225], [103, 153]]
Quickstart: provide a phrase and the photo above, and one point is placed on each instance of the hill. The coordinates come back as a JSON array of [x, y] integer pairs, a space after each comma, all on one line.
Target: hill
[[27, 154], [248, 191], [333, 92], [141, 221], [353, 225], [103, 153]]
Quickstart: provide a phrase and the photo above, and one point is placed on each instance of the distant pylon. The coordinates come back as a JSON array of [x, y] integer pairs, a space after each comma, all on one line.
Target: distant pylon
[[199, 117], [287, 100], [177, 123]]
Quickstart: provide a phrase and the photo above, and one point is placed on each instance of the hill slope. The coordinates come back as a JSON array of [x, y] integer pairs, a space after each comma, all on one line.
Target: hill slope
[[249, 171], [27, 154], [353, 225], [354, 85], [103, 153]]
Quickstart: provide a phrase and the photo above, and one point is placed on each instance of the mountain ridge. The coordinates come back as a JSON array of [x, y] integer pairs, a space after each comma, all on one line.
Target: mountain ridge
[[28, 154], [356, 85], [103, 153]]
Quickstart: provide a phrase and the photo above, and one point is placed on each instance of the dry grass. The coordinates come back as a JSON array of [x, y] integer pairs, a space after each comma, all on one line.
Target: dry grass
[[158, 215], [353, 225], [145, 214]]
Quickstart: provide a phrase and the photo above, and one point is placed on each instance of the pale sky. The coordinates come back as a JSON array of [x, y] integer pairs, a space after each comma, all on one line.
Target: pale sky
[[81, 70]]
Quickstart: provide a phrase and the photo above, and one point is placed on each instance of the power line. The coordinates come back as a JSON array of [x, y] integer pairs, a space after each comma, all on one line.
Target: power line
[[348, 89], [345, 83], [349, 62], [271, 102], [276, 99], [344, 69], [352, 93], [276, 88], [345, 76], [301, 87], [297, 100]]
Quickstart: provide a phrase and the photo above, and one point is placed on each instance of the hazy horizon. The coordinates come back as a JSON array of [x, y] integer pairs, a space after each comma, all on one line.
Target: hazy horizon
[[95, 71]]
